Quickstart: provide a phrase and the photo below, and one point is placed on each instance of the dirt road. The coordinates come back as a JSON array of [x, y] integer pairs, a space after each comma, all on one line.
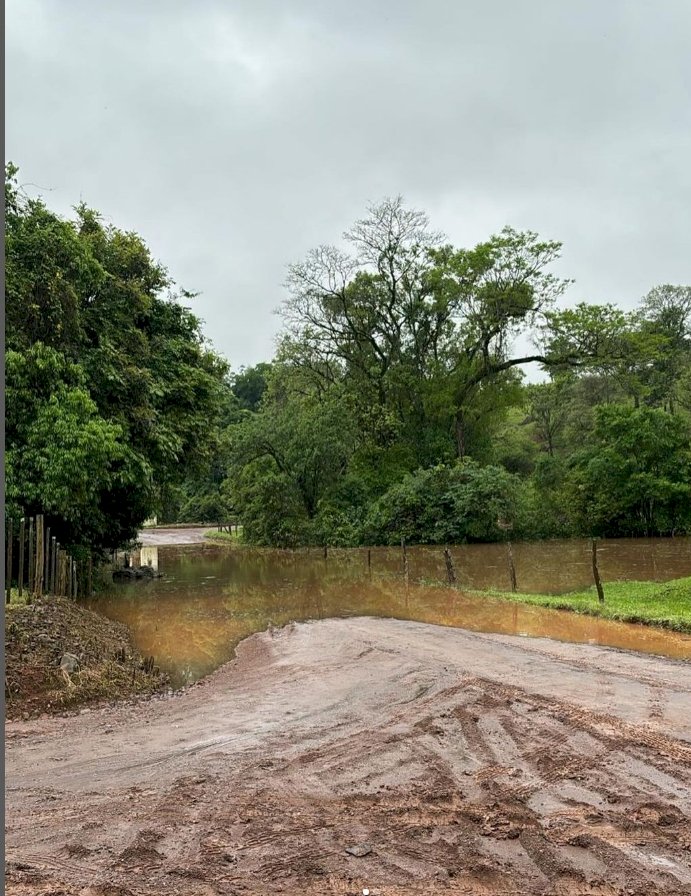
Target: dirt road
[[448, 761], [161, 537]]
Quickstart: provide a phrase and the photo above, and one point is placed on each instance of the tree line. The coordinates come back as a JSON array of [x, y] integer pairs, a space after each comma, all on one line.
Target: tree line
[[396, 405]]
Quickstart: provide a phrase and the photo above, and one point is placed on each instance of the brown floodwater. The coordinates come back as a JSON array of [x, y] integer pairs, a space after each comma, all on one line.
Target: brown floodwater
[[212, 596]]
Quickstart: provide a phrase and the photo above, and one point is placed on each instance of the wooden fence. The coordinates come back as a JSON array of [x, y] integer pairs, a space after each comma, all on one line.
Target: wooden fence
[[36, 562]]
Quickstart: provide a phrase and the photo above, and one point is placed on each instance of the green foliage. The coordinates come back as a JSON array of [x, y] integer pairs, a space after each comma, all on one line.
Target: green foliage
[[111, 391], [412, 340], [635, 478], [286, 459], [445, 504], [395, 406], [249, 385]]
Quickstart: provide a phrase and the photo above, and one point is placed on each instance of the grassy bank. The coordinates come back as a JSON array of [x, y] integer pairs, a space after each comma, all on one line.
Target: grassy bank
[[225, 537], [667, 604]]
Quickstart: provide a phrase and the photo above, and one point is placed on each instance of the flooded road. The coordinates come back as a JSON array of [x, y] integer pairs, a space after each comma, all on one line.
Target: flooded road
[[212, 596]]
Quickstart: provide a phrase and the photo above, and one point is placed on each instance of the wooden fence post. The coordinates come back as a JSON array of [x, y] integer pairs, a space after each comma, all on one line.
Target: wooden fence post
[[596, 572], [89, 576], [54, 568], [39, 561], [9, 534], [450, 570], [405, 560], [30, 578], [512, 569], [22, 539], [46, 562], [369, 562]]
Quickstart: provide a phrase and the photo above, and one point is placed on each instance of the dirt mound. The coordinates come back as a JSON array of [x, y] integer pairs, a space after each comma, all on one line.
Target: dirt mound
[[40, 634]]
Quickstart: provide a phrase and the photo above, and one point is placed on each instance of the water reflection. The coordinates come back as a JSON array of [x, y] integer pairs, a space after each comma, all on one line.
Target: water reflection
[[210, 597], [147, 556]]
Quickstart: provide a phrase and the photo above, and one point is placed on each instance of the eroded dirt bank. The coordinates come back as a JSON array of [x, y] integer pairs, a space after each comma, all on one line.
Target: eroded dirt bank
[[465, 763]]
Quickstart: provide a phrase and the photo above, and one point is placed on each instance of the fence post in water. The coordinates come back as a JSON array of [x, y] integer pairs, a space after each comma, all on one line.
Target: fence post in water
[[450, 570], [512, 569], [22, 539], [405, 560], [8, 564], [326, 551], [596, 572]]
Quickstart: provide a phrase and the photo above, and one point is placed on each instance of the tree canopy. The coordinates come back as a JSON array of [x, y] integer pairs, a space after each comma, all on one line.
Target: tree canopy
[[396, 404], [397, 397], [112, 392]]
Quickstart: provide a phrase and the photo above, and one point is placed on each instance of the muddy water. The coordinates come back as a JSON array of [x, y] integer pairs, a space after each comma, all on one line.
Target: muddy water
[[211, 596]]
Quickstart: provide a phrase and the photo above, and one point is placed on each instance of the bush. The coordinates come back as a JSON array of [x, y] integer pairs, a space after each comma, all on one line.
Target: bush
[[445, 504]]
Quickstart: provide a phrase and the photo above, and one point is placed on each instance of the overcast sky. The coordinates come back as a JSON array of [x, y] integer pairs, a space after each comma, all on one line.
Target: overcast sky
[[234, 136]]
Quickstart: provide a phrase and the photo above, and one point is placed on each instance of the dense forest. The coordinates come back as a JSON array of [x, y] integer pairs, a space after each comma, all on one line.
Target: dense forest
[[397, 403]]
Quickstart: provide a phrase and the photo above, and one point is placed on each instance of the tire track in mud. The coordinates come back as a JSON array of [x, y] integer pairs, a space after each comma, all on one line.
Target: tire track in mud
[[457, 782]]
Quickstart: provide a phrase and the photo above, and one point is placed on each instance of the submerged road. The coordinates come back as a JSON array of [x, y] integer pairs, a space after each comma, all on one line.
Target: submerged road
[[446, 761]]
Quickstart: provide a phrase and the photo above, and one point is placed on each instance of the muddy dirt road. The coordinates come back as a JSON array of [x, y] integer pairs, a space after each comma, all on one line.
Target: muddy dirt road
[[161, 537], [448, 761]]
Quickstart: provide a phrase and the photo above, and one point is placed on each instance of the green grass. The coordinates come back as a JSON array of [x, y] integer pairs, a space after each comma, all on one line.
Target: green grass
[[226, 537], [667, 604], [15, 599]]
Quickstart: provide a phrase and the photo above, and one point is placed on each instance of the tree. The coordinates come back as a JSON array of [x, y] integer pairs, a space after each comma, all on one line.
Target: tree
[[106, 354], [403, 319], [667, 317], [635, 479], [445, 504], [297, 446], [249, 385]]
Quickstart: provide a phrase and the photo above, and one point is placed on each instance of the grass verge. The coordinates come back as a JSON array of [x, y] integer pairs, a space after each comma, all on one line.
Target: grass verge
[[226, 537], [667, 604]]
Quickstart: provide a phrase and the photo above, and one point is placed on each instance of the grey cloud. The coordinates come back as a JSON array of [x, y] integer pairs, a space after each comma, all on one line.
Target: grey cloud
[[234, 136]]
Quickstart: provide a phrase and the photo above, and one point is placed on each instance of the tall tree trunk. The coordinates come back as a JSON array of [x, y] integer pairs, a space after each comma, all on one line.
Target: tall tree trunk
[[460, 435]]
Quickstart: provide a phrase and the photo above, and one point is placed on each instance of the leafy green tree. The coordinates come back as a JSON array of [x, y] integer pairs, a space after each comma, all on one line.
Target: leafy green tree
[[667, 317], [62, 458], [635, 478], [415, 328], [298, 441], [117, 364], [446, 504], [249, 385]]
